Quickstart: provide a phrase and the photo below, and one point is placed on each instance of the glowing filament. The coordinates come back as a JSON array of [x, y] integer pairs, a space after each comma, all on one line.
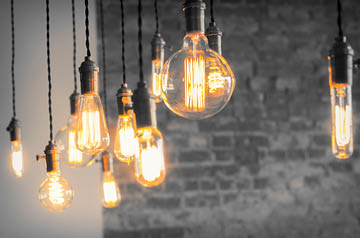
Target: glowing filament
[[75, 155], [56, 191], [91, 137], [110, 195], [194, 77], [343, 125], [156, 80], [127, 143], [17, 158]]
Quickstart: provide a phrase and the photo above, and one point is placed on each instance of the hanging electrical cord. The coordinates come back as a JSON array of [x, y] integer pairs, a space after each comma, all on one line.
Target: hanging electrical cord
[[103, 55], [48, 67], [212, 11], [87, 28], [123, 41], [74, 44], [156, 16], [13, 59], [339, 18], [141, 73], [213, 33]]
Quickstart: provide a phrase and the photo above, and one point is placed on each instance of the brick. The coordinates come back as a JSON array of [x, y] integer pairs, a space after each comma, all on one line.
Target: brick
[[163, 203], [207, 185], [225, 184], [222, 141], [194, 156], [261, 183], [224, 155], [312, 181], [191, 185], [341, 166], [322, 140]]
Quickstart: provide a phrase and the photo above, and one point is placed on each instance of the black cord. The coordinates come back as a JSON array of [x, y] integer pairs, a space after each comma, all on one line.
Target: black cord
[[141, 73], [74, 44], [102, 30], [13, 57], [87, 27], [339, 20], [156, 16], [48, 64], [212, 11], [123, 40]]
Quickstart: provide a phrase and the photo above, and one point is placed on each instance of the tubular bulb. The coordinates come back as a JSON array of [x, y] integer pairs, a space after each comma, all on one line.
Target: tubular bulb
[[110, 191], [17, 163], [150, 165], [92, 136]]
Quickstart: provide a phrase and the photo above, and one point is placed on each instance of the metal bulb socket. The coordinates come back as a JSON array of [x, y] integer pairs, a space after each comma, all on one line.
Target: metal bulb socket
[[51, 156], [89, 76], [14, 129], [194, 15], [106, 160], [144, 107], [124, 102], [74, 103], [341, 62], [214, 35], [157, 47]]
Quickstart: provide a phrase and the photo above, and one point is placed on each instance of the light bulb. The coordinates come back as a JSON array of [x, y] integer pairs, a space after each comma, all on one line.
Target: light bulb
[[55, 193], [150, 165], [340, 80], [126, 147], [197, 82], [110, 191], [157, 57], [92, 136], [17, 163]]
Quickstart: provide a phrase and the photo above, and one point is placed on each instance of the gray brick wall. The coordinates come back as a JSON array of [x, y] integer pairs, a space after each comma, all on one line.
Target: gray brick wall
[[262, 168]]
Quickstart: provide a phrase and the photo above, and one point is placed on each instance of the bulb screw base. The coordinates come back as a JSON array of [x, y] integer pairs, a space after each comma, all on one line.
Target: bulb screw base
[[89, 76], [14, 129], [341, 62], [214, 34], [144, 107], [124, 102], [51, 156], [107, 162], [157, 47], [194, 15], [74, 103]]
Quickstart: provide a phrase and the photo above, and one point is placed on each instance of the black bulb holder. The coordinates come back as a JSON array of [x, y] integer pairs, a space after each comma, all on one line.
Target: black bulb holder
[[144, 107], [14, 129], [194, 15], [214, 34], [124, 102], [89, 76], [74, 103], [157, 47], [106, 160], [51, 156]]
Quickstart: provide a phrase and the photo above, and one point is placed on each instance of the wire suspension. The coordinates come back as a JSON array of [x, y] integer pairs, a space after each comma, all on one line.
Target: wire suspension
[[141, 73], [13, 58], [339, 18], [87, 27], [48, 68], [103, 55], [156, 16], [212, 11], [74, 43], [123, 41]]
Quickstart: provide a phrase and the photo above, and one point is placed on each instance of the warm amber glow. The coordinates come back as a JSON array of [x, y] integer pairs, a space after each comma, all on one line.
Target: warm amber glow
[[150, 168], [17, 158], [75, 156], [111, 192], [343, 126], [56, 191], [156, 79], [92, 133], [194, 79], [126, 146]]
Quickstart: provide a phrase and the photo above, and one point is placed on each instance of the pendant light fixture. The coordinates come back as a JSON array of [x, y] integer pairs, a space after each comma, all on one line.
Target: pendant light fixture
[[17, 163], [197, 82], [65, 138], [150, 164], [126, 147], [213, 33], [92, 136], [110, 190], [157, 57], [55, 192], [340, 79]]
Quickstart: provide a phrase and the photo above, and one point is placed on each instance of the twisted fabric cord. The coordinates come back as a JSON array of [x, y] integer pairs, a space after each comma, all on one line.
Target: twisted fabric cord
[[48, 68]]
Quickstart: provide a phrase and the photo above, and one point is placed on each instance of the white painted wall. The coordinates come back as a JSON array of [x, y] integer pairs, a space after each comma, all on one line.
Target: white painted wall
[[20, 212]]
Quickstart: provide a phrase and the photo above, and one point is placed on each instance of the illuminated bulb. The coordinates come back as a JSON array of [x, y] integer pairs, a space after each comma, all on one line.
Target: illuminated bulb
[[157, 57], [110, 190], [17, 163], [197, 82], [92, 134], [150, 166]]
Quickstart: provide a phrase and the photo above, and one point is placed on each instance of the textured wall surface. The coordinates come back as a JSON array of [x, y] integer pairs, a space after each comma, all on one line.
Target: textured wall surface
[[262, 168]]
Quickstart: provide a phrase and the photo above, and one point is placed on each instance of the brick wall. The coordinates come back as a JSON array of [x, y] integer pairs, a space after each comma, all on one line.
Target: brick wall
[[262, 168]]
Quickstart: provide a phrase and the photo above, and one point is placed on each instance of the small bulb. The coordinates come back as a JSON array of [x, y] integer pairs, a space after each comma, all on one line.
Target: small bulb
[[155, 86], [150, 165], [110, 191], [17, 163], [342, 134], [126, 147], [55, 193], [92, 136]]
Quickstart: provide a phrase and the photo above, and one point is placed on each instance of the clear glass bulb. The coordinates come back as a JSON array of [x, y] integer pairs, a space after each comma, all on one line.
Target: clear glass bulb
[[196, 81], [342, 131], [92, 136], [126, 146], [155, 83], [150, 165], [17, 162], [110, 191], [66, 144], [55, 193]]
